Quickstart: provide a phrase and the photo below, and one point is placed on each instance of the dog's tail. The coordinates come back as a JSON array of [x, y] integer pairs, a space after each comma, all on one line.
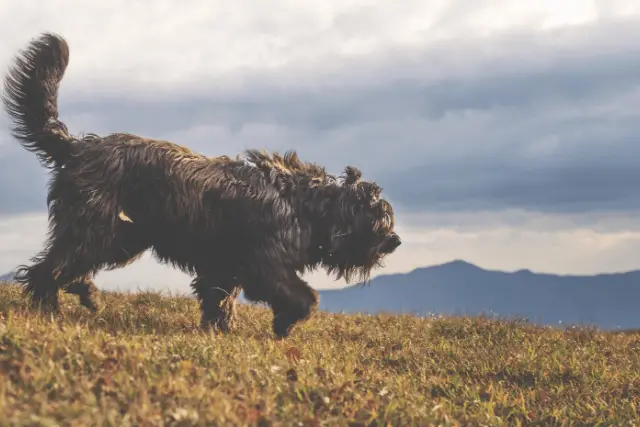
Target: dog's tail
[[31, 99]]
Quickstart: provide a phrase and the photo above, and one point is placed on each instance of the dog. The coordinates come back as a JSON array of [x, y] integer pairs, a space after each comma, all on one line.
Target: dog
[[253, 223]]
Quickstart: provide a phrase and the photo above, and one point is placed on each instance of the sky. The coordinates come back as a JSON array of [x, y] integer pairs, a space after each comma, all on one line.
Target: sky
[[506, 134]]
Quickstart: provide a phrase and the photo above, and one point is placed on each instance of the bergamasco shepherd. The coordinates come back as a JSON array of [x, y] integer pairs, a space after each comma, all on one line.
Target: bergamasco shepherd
[[254, 223]]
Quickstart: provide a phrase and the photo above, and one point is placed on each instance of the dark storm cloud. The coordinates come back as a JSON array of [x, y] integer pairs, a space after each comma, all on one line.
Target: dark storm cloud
[[609, 184], [22, 182], [547, 123]]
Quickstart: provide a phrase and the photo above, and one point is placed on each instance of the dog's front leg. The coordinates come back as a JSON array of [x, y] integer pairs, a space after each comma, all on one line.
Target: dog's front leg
[[87, 291], [292, 300], [290, 308], [217, 298]]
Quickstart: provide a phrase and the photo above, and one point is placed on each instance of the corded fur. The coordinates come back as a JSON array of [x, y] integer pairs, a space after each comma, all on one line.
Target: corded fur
[[254, 222], [30, 99]]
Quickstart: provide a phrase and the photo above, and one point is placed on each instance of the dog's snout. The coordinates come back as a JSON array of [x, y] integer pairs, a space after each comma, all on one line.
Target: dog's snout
[[391, 243]]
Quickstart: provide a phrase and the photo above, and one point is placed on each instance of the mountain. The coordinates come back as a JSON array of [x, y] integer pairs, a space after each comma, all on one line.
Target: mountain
[[609, 301], [7, 277]]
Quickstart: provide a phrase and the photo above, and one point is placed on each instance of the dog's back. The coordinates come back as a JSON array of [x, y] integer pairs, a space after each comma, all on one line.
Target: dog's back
[[144, 177]]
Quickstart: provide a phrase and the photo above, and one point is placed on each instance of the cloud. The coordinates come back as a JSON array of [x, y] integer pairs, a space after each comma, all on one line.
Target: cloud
[[163, 44], [474, 117], [24, 183], [543, 121]]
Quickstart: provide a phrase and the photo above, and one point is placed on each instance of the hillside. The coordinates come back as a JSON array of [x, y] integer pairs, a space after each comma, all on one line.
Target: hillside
[[143, 362], [609, 301]]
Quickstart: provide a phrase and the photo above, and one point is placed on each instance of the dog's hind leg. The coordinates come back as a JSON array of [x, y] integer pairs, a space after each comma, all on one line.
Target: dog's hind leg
[[49, 274], [124, 249], [73, 256], [40, 283], [217, 296]]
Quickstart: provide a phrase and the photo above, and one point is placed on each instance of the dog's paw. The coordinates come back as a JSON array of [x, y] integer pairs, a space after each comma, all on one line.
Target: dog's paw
[[49, 305], [219, 326], [92, 303], [282, 325]]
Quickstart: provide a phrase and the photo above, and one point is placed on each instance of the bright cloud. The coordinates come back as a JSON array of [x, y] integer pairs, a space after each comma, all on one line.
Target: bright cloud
[[504, 132]]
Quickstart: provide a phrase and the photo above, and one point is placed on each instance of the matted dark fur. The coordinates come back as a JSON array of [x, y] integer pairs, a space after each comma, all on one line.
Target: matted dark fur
[[253, 223]]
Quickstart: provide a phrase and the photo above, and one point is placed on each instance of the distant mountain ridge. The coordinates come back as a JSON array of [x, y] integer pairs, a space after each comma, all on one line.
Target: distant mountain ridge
[[7, 277], [608, 300]]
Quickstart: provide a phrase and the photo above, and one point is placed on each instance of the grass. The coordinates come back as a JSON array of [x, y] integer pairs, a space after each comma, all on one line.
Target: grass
[[144, 362]]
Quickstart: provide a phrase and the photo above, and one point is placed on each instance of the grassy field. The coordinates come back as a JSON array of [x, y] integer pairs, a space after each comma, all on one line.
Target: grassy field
[[144, 362]]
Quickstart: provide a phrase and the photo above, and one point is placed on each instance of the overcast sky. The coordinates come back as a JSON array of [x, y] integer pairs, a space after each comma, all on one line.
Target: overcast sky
[[504, 134]]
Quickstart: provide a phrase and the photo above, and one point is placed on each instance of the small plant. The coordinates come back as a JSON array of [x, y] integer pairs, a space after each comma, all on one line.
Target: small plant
[[144, 361]]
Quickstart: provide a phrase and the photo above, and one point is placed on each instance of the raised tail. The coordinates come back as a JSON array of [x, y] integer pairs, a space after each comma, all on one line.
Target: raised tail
[[31, 99]]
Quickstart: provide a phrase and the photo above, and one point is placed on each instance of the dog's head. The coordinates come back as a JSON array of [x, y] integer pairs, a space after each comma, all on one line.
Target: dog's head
[[352, 228], [356, 228]]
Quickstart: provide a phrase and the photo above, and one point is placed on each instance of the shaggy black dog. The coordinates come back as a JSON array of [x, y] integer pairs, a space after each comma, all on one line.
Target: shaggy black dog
[[254, 223]]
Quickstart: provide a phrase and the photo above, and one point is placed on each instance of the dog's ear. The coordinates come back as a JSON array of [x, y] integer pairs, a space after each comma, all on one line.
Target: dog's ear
[[374, 192], [351, 175]]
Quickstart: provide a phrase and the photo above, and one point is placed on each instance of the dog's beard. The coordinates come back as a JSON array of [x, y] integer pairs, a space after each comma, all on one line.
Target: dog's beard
[[350, 272], [351, 228], [351, 258]]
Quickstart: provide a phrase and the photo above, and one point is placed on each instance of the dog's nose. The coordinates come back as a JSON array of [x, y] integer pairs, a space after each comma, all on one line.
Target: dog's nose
[[392, 243]]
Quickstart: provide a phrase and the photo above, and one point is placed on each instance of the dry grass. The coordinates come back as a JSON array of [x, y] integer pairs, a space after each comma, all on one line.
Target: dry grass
[[143, 362]]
